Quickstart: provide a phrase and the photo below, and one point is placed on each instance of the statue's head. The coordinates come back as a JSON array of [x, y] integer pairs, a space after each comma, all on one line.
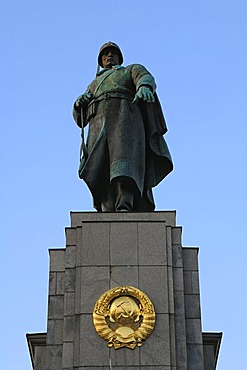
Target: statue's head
[[110, 54]]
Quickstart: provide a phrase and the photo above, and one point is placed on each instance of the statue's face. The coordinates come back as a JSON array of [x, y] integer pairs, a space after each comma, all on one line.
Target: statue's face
[[110, 57]]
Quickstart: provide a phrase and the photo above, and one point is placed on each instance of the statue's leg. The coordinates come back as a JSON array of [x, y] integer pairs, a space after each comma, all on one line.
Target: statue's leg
[[108, 202], [125, 193]]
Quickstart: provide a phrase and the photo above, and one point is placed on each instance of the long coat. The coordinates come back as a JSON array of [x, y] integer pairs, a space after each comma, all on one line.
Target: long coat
[[124, 138]]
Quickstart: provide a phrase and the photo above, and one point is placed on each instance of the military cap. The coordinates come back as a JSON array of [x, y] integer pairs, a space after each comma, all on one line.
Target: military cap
[[112, 45]]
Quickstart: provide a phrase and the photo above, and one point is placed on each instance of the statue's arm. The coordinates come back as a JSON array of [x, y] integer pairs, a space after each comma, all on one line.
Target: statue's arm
[[142, 77], [144, 83], [81, 103], [83, 100]]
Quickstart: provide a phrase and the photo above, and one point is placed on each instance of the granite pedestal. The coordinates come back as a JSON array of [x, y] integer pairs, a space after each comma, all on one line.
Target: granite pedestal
[[105, 250]]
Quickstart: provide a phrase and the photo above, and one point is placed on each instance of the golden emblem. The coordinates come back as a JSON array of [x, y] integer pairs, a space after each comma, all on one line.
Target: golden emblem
[[124, 316]]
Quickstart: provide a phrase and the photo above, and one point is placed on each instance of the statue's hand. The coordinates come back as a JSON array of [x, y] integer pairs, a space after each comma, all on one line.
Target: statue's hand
[[83, 100], [144, 93]]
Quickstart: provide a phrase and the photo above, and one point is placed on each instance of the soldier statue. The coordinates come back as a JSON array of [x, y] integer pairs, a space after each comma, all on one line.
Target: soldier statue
[[125, 155]]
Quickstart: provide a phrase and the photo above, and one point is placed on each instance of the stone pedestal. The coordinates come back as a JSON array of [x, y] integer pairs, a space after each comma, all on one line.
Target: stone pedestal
[[105, 250]]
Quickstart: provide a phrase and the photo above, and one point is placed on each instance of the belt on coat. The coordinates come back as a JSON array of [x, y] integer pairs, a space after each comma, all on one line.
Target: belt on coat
[[113, 94], [91, 108]]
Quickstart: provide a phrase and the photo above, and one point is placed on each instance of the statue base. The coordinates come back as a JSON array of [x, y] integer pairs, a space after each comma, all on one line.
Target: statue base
[[107, 250]]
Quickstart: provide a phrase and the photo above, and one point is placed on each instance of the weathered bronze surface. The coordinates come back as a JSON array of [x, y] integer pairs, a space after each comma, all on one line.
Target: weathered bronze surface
[[124, 316], [125, 155]]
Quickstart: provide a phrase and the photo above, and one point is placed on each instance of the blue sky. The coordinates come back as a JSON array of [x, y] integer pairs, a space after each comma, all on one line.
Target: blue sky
[[197, 52]]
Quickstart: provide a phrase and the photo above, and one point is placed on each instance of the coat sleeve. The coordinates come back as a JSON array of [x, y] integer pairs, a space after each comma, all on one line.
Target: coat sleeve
[[76, 111], [141, 76], [76, 115]]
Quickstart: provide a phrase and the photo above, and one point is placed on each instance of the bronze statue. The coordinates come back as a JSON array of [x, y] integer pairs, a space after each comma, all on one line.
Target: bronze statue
[[125, 155]]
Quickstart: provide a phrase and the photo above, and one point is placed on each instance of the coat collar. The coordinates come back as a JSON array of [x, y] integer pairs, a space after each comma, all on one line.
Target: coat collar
[[107, 69]]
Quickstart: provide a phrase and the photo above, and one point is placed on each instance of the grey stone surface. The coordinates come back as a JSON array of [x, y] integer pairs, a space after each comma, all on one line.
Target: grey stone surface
[[180, 328], [77, 218], [123, 244], [179, 303], [135, 216], [70, 280], [94, 282], [39, 360], [69, 303], [152, 243], [69, 328], [125, 357], [93, 367], [58, 332], [177, 259], [124, 275], [181, 354], [153, 282], [70, 257], [169, 245], [158, 368], [56, 307], [156, 349], [190, 258], [211, 347], [52, 283], [177, 235], [70, 233], [78, 256], [94, 248], [172, 339], [195, 282], [124, 367], [77, 344], [187, 282], [60, 283], [56, 259], [93, 349], [178, 280], [169, 217], [193, 331], [68, 359], [54, 357], [78, 291], [181, 350], [209, 357], [170, 290], [195, 357], [192, 306], [191, 282], [50, 339], [113, 249]]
